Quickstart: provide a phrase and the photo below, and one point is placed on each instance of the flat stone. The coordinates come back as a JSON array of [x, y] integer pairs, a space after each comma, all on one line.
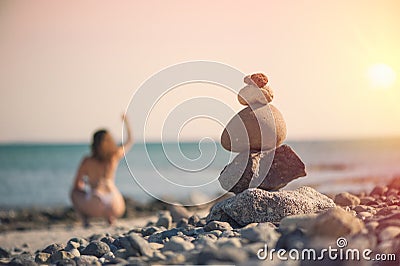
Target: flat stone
[[259, 127], [72, 245], [194, 219], [178, 244], [139, 243], [164, 219], [268, 170], [178, 212], [80, 240], [96, 248], [66, 262], [362, 208], [388, 210], [61, 255], [121, 253], [378, 190], [265, 232], [155, 246], [4, 253], [368, 200], [336, 222], [149, 230], [257, 205], [252, 95], [170, 233], [346, 199], [183, 222], [42, 257], [126, 244], [158, 256], [229, 242], [87, 260], [217, 225], [53, 248], [225, 254], [395, 183], [175, 259], [386, 222]]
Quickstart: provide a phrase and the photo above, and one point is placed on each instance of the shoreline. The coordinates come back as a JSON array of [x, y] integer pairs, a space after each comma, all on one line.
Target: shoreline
[[156, 233], [25, 219]]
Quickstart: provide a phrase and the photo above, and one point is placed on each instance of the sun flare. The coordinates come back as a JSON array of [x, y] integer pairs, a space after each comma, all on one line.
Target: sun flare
[[381, 76]]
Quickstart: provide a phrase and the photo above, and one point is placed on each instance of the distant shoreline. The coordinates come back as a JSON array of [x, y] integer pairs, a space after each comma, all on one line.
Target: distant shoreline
[[306, 140]]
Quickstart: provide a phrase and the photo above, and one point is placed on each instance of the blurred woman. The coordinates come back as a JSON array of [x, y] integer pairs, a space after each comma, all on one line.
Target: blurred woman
[[94, 193]]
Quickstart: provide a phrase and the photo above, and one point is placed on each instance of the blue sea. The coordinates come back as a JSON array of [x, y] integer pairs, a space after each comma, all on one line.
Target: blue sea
[[41, 175]]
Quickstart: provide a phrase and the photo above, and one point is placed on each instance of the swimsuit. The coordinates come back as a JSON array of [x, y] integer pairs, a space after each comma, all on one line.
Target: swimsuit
[[105, 198]]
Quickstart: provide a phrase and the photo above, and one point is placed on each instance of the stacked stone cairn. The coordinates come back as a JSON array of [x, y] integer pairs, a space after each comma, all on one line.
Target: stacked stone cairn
[[264, 164]]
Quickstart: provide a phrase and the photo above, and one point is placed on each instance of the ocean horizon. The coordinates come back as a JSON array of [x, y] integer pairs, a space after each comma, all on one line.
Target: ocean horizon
[[38, 174]]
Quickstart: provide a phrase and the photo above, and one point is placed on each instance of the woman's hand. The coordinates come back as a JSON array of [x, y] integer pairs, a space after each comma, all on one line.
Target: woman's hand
[[124, 118], [127, 144]]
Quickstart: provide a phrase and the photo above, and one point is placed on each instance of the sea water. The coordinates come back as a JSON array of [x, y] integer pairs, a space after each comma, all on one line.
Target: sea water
[[42, 174]]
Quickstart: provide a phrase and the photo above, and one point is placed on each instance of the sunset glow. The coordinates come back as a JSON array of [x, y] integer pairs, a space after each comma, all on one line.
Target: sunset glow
[[381, 76]]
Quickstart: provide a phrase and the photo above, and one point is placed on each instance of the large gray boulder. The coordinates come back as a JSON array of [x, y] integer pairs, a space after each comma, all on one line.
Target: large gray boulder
[[268, 170], [257, 205]]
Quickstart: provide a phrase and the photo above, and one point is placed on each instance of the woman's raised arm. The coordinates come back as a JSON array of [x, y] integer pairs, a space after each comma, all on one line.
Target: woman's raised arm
[[127, 144]]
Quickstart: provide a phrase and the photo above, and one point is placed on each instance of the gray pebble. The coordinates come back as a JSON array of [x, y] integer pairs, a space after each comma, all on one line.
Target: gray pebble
[[149, 230], [265, 232], [87, 260], [53, 248], [74, 252], [66, 262], [4, 253], [96, 248], [139, 243], [182, 222], [72, 245], [42, 257], [178, 244], [225, 254], [164, 219], [194, 219], [229, 242], [61, 255], [217, 225], [121, 253]]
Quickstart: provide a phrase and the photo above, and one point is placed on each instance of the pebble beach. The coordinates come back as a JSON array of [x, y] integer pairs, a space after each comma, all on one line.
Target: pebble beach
[[176, 235]]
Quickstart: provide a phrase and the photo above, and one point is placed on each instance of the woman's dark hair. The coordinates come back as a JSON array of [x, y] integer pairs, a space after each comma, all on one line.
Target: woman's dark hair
[[98, 138]]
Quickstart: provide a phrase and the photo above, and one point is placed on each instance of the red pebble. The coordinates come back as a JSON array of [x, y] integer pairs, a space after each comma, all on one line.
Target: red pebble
[[260, 79]]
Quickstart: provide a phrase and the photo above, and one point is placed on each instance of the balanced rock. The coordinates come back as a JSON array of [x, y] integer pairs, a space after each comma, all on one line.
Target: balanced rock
[[268, 170], [257, 205], [251, 95], [259, 127], [257, 79]]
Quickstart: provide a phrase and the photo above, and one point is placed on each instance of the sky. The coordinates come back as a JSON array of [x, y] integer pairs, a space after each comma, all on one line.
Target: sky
[[68, 68]]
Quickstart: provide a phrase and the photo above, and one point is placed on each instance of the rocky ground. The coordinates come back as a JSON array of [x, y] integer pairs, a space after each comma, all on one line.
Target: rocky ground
[[363, 221]]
